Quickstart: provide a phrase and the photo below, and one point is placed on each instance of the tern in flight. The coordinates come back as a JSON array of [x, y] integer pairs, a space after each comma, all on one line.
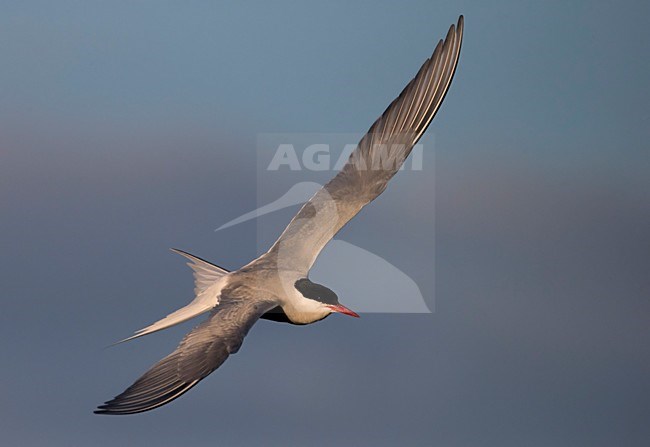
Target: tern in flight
[[276, 285]]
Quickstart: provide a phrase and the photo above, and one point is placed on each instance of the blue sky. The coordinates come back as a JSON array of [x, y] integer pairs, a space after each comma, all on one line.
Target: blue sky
[[127, 128]]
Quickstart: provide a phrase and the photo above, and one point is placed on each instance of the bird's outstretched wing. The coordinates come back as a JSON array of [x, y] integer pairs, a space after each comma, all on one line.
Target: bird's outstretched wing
[[202, 351], [379, 155]]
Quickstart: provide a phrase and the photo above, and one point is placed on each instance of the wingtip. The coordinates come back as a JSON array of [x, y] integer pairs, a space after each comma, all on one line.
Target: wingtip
[[102, 409], [107, 411]]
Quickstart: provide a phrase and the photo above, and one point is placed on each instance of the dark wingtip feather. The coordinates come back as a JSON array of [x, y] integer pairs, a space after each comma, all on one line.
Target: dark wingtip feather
[[130, 403], [158, 386]]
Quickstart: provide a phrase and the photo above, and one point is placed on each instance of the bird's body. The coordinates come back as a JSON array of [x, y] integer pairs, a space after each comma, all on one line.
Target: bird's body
[[276, 286]]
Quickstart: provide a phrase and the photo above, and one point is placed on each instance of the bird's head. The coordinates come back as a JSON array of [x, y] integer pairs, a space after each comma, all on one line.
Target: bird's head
[[322, 298]]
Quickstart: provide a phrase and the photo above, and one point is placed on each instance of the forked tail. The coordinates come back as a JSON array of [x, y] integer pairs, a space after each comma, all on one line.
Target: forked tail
[[206, 274]]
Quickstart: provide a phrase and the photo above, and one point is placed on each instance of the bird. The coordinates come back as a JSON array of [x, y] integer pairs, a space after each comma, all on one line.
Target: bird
[[276, 285]]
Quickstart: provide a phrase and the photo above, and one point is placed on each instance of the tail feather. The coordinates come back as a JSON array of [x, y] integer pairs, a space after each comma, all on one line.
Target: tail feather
[[183, 314], [205, 275]]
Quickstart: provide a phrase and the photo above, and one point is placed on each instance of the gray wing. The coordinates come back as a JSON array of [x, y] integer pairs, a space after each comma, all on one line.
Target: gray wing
[[202, 351], [379, 155]]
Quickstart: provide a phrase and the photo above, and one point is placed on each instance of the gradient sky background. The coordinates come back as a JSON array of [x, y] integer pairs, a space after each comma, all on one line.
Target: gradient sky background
[[130, 127]]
